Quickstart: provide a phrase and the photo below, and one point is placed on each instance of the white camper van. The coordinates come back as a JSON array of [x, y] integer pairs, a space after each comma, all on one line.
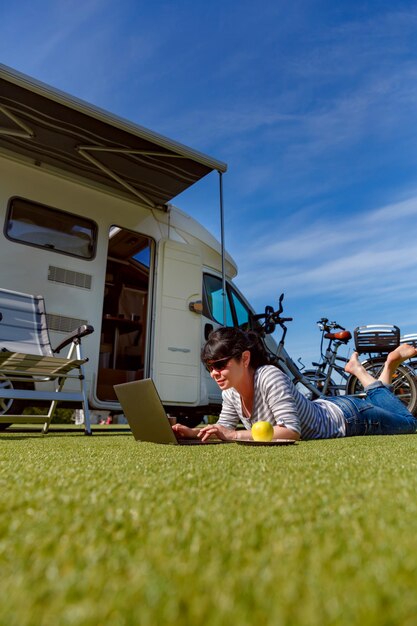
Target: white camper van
[[87, 223]]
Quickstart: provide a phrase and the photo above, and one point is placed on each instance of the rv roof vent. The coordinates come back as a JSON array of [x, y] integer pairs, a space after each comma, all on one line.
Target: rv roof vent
[[63, 324], [68, 277]]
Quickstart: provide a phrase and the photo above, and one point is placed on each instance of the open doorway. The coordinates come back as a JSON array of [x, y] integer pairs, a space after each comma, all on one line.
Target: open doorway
[[123, 346]]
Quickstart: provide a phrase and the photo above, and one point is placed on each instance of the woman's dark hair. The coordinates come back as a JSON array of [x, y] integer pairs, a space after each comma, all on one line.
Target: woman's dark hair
[[231, 342]]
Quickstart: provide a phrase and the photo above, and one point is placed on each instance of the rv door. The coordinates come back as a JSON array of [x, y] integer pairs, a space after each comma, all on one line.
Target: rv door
[[177, 347]]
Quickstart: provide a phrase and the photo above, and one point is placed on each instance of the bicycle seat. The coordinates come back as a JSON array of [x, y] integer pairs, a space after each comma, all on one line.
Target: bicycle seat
[[344, 336]]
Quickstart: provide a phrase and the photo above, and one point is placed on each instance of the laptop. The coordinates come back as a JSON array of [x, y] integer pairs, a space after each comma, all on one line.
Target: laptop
[[146, 415]]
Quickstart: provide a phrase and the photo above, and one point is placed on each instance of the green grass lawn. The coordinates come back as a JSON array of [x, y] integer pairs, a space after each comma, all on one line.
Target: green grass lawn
[[104, 531]]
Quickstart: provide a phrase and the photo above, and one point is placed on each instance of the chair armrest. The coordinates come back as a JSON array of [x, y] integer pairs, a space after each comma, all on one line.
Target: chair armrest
[[75, 336]]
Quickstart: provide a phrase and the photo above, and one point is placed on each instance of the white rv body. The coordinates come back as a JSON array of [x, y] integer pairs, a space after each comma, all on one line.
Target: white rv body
[[150, 278], [87, 223], [181, 252]]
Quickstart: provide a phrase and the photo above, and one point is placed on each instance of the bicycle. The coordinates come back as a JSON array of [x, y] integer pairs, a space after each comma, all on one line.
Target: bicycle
[[264, 324], [368, 339], [380, 340], [322, 375], [376, 341]]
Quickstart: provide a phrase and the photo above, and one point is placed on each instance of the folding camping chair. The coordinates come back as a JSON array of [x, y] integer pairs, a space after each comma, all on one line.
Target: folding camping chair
[[28, 360]]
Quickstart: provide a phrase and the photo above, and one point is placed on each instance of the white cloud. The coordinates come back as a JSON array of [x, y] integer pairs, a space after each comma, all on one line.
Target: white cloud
[[367, 255]]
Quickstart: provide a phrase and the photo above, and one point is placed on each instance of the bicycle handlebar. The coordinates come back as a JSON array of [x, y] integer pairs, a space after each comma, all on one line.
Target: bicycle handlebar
[[271, 318], [325, 325]]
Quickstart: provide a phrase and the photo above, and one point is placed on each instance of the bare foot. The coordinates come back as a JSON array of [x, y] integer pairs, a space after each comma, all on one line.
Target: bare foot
[[394, 359], [355, 367], [401, 354], [353, 364]]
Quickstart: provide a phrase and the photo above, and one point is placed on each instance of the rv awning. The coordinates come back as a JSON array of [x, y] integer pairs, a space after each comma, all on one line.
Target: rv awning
[[52, 128]]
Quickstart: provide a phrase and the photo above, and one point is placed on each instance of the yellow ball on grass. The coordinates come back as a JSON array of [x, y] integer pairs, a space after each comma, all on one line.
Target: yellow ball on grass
[[262, 431]]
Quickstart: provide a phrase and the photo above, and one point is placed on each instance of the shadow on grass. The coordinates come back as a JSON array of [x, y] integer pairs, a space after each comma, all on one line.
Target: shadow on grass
[[28, 432], [14, 437]]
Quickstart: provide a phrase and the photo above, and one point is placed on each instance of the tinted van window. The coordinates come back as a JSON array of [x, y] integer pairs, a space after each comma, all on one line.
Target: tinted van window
[[237, 312], [213, 290], [46, 227]]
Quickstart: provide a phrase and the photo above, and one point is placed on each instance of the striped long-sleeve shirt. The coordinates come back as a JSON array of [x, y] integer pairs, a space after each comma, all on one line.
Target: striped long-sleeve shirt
[[277, 401]]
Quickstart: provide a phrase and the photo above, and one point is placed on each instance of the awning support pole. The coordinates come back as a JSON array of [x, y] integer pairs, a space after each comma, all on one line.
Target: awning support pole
[[222, 247], [114, 176], [25, 131]]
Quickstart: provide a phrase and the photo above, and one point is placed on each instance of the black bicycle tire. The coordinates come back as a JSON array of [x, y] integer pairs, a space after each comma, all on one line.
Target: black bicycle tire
[[402, 373]]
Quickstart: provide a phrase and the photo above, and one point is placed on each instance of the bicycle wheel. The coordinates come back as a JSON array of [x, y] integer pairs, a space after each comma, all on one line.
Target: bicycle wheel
[[317, 380], [404, 383]]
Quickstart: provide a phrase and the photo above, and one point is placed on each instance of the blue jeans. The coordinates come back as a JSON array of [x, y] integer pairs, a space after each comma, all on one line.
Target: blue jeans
[[380, 413]]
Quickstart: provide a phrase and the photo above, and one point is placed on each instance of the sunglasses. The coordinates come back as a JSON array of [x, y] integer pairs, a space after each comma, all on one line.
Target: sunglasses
[[219, 365]]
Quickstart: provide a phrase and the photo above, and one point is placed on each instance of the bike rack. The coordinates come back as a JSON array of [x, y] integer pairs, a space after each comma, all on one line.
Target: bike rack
[[376, 338]]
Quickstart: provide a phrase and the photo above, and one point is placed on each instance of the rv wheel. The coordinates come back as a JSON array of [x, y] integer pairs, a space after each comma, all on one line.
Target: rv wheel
[[8, 406], [189, 420]]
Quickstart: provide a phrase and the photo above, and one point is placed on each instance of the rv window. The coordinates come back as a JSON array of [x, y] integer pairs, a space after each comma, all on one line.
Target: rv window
[[45, 227], [237, 312], [213, 305], [241, 310]]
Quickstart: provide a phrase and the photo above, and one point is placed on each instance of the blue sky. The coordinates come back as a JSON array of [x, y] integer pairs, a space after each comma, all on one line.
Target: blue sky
[[313, 105]]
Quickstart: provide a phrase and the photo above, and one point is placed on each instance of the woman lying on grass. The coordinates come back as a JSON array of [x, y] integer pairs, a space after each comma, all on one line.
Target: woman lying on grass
[[253, 390]]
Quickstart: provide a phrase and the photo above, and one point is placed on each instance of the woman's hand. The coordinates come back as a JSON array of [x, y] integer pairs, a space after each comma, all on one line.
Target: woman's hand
[[214, 430], [227, 434], [185, 432]]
